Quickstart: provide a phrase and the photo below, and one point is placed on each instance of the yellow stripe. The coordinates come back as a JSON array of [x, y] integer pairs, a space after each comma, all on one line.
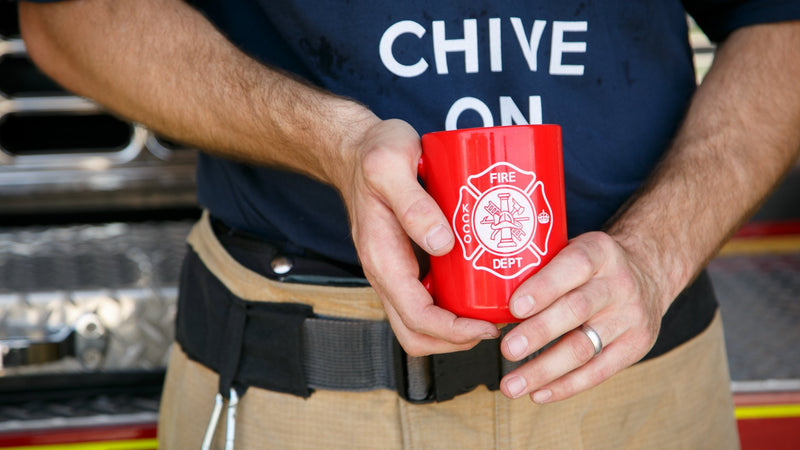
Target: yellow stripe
[[767, 411], [137, 444], [754, 246]]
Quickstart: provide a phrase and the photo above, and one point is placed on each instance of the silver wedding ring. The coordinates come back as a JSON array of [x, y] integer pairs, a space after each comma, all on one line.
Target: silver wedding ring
[[594, 337]]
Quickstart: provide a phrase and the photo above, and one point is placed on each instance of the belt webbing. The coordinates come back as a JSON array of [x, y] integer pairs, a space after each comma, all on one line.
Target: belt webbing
[[286, 348], [353, 355]]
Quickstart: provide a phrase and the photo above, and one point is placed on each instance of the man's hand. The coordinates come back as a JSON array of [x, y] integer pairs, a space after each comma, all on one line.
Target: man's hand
[[593, 281], [739, 137], [387, 205]]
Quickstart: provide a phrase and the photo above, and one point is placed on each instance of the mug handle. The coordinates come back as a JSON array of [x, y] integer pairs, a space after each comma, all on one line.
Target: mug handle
[[427, 282]]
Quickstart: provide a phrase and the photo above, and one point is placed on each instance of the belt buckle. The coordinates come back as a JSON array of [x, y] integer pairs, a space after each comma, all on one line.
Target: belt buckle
[[438, 378]]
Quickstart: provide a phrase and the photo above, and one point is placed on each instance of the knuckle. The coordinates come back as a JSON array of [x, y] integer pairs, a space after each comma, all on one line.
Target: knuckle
[[538, 332], [581, 260], [603, 240], [570, 385], [541, 336], [590, 378], [375, 164], [600, 373], [461, 334], [579, 305], [626, 282], [413, 325], [417, 210], [581, 349], [598, 241], [594, 247]]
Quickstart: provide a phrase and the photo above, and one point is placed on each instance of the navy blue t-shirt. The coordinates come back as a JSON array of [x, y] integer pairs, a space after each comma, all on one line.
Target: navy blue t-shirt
[[616, 75]]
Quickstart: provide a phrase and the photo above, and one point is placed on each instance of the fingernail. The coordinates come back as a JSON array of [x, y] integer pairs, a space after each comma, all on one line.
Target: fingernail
[[491, 334], [438, 237], [542, 396], [516, 386], [522, 306], [517, 345]]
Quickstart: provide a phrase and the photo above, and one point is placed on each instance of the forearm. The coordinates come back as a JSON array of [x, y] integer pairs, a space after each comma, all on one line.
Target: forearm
[[741, 134], [162, 64]]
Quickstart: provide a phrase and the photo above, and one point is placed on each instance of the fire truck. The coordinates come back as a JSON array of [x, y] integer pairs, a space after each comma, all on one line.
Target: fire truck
[[93, 215]]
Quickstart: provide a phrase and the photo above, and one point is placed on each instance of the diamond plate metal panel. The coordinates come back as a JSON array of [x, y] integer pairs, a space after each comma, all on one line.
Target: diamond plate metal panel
[[760, 304], [114, 285]]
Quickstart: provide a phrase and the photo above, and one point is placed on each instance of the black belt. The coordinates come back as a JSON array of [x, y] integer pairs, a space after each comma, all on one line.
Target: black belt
[[287, 348]]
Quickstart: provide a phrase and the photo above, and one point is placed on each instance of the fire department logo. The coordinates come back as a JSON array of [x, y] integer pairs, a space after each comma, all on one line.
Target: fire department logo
[[503, 220]]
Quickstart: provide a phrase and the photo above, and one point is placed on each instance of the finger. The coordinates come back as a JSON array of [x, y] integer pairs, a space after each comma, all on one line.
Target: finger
[[572, 351], [390, 265], [417, 344], [391, 172], [614, 358], [573, 266], [413, 314], [568, 313], [419, 215]]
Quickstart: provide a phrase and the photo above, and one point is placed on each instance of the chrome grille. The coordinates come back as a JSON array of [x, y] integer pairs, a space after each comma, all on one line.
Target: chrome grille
[[61, 152], [41, 125]]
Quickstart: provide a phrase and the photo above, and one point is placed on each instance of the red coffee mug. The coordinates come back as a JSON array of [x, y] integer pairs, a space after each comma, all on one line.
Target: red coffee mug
[[502, 188]]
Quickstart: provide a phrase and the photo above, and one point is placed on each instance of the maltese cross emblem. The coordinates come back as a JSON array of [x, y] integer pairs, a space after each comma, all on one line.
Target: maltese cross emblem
[[503, 220]]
